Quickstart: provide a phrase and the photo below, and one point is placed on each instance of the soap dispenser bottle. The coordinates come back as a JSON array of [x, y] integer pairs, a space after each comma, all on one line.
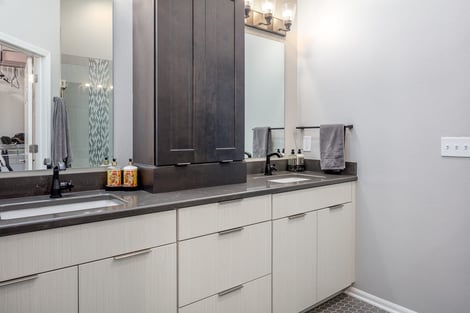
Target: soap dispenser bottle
[[114, 175], [291, 161], [129, 175], [300, 164]]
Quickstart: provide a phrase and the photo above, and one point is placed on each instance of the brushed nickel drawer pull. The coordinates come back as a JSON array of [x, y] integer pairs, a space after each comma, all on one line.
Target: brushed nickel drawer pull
[[296, 216], [132, 254], [182, 164], [233, 289], [18, 280], [226, 161], [339, 206], [230, 231]]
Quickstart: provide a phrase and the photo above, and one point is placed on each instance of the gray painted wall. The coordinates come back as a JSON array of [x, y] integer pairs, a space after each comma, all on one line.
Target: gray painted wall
[[400, 71]]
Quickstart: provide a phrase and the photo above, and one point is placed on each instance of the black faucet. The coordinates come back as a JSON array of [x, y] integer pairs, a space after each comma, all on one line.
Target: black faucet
[[57, 186], [248, 155], [268, 168]]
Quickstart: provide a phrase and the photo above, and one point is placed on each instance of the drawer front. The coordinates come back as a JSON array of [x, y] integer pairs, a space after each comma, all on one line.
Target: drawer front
[[252, 297], [206, 219], [295, 202], [62, 247], [214, 263], [142, 282], [53, 292]]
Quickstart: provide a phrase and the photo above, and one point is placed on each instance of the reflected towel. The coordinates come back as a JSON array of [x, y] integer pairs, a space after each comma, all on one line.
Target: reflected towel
[[262, 142], [61, 151], [332, 147]]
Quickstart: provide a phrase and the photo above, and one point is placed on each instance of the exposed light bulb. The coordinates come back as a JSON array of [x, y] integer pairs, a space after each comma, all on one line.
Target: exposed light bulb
[[287, 14], [267, 7]]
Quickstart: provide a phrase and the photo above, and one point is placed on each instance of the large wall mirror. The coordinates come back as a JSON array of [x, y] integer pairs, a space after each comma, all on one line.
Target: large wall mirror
[[56, 48], [264, 90]]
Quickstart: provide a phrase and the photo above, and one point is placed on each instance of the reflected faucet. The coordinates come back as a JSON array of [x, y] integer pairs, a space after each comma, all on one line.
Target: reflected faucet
[[57, 186], [268, 168]]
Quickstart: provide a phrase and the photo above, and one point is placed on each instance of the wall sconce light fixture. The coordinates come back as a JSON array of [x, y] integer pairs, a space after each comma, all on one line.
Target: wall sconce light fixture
[[262, 16]]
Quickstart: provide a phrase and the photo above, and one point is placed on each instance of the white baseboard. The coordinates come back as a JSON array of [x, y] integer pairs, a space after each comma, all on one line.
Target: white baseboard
[[376, 301]]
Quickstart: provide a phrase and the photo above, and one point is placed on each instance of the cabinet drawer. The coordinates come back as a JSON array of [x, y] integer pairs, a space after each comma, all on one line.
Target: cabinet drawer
[[213, 263], [295, 202], [62, 247], [206, 219], [53, 292], [252, 297], [143, 282]]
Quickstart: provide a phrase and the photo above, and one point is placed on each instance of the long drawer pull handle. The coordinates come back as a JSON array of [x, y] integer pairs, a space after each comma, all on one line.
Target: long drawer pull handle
[[18, 280], [182, 164], [337, 207], [230, 231], [226, 292], [226, 161], [230, 201], [296, 216], [132, 254]]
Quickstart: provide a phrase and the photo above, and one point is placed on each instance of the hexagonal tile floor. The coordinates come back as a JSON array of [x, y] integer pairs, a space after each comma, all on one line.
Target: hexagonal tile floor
[[346, 304]]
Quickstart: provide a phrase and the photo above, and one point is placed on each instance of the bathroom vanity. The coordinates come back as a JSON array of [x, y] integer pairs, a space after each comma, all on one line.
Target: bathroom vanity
[[255, 247]]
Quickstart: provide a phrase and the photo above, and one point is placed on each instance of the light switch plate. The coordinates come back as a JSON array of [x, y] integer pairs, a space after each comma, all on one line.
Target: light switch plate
[[455, 147], [307, 146]]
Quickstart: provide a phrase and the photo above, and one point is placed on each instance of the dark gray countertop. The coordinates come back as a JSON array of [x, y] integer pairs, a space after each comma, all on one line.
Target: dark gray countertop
[[141, 202]]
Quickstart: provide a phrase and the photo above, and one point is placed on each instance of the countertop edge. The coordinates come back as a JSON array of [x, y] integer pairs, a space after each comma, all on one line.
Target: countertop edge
[[40, 225]]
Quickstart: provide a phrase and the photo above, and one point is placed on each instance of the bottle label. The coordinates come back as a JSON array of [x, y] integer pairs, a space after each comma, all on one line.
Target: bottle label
[[130, 178], [114, 178]]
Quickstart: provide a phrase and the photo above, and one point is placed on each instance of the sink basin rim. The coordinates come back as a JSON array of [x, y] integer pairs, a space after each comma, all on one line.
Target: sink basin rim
[[37, 208]]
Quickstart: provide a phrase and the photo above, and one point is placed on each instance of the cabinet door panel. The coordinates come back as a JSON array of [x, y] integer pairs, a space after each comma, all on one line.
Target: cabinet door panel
[[294, 263], [53, 292], [335, 249], [144, 283], [175, 102], [221, 135]]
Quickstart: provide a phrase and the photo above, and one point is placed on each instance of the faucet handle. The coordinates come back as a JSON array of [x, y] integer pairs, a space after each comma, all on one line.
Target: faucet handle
[[273, 167]]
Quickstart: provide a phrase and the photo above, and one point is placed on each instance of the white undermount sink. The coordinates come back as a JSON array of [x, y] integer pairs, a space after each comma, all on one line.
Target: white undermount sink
[[288, 180], [56, 206]]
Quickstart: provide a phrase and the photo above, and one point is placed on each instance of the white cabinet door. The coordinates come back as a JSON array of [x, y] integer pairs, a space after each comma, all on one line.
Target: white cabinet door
[[252, 297], [143, 282], [335, 249], [53, 292], [294, 263], [213, 263]]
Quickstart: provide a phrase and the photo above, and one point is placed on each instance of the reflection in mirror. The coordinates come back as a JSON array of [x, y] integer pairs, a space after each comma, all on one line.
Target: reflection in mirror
[[64, 43], [264, 91], [86, 73]]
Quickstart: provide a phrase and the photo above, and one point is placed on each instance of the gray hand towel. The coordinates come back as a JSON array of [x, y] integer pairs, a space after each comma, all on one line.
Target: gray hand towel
[[332, 147], [262, 142], [61, 151]]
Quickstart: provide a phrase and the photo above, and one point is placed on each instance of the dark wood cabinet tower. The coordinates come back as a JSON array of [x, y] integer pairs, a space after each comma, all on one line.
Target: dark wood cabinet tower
[[189, 92]]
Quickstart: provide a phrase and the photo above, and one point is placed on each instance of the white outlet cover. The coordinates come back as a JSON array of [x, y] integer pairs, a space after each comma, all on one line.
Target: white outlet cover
[[307, 144], [455, 147]]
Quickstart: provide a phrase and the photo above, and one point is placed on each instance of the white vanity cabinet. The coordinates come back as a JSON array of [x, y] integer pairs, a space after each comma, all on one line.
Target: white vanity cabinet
[[313, 245], [142, 281], [51, 292], [336, 233], [224, 251], [120, 265], [294, 262]]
